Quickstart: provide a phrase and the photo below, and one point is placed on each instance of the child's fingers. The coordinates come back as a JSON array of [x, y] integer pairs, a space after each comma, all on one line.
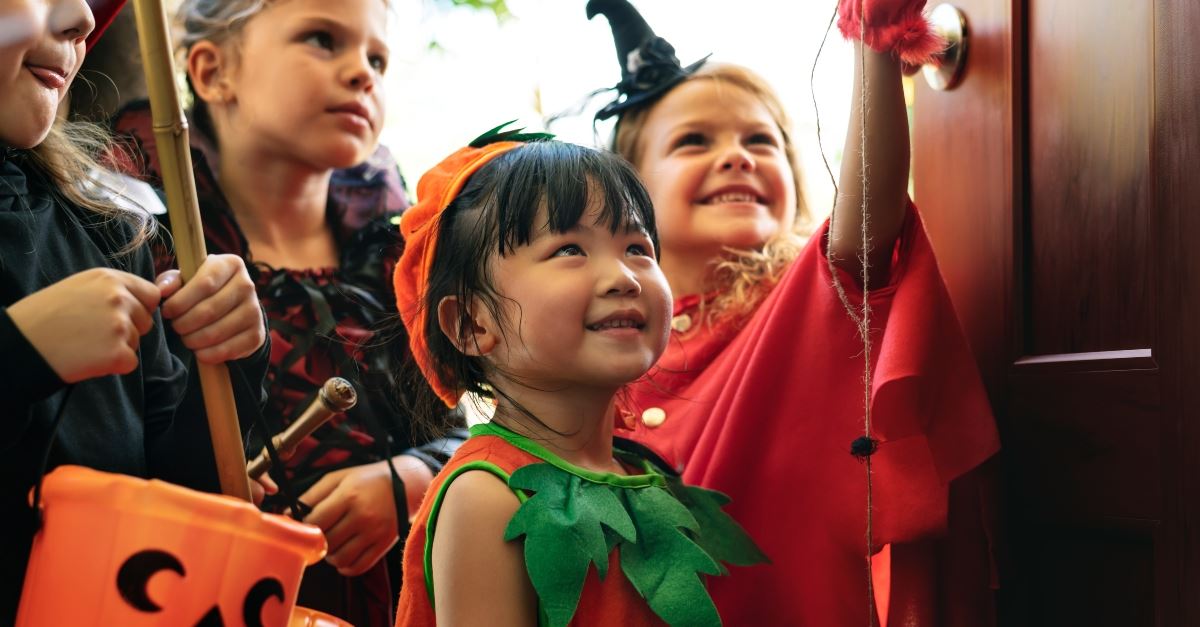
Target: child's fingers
[[241, 317], [326, 511], [323, 487], [213, 275], [199, 302], [327, 514], [346, 529], [238, 334], [146, 292], [211, 310], [240, 346], [267, 483], [125, 360], [257, 493], [142, 319], [352, 555], [168, 283]]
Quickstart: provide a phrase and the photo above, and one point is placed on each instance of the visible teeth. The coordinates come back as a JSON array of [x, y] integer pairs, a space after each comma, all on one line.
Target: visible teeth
[[614, 324], [733, 197]]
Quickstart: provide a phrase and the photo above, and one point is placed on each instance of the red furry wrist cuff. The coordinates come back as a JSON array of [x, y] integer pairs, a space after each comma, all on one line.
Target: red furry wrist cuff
[[907, 34]]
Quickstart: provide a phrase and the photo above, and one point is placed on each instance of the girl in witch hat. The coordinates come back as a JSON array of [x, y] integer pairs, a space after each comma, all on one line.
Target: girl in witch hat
[[86, 376], [290, 175], [531, 278], [760, 393]]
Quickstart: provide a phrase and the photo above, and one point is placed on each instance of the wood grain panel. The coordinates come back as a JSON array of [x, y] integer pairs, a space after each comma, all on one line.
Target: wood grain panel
[[957, 135], [1177, 195], [1089, 234], [1088, 442]]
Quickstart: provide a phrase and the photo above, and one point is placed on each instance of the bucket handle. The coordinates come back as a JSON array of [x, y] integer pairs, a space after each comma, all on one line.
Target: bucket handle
[[41, 472]]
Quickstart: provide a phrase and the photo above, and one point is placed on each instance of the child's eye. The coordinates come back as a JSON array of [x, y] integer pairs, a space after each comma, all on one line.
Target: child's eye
[[690, 139], [763, 138], [379, 63], [570, 250], [638, 250], [321, 39]]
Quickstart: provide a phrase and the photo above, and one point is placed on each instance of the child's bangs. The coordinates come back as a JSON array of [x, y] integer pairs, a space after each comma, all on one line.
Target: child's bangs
[[563, 178]]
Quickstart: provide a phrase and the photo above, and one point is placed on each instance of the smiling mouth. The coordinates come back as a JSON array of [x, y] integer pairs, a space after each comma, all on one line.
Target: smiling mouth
[[616, 324], [733, 198]]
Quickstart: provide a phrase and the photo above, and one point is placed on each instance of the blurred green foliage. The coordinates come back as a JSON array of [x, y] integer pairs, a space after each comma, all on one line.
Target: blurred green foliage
[[499, 8]]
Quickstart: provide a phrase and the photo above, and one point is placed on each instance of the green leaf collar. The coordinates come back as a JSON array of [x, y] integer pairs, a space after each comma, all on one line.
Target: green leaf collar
[[668, 534]]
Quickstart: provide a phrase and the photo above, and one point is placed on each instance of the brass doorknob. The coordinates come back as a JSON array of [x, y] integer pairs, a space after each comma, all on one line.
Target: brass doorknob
[[951, 24]]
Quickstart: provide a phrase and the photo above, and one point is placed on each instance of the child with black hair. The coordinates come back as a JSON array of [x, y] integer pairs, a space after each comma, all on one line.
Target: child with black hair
[[530, 276], [86, 376]]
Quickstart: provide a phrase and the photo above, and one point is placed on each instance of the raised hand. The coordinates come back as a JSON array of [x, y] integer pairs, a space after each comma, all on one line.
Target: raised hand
[[895, 26], [217, 313], [89, 324]]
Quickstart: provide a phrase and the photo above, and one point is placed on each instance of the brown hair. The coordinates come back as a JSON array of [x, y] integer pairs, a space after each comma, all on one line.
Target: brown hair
[[744, 277], [218, 21]]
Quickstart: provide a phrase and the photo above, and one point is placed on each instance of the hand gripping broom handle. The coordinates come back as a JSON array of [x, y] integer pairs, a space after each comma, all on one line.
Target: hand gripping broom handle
[[174, 154]]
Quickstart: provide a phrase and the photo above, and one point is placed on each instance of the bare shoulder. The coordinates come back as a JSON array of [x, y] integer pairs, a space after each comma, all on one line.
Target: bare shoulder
[[478, 578]]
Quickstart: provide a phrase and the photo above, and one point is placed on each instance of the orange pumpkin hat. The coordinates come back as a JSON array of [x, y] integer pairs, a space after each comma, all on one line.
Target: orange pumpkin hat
[[419, 226]]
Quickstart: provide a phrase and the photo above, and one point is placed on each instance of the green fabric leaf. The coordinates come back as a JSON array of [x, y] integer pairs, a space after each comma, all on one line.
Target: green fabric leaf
[[719, 535], [663, 563], [568, 524], [512, 135]]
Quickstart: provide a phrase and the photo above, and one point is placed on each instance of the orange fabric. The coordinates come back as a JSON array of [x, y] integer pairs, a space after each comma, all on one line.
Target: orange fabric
[[611, 601], [103, 527], [419, 227]]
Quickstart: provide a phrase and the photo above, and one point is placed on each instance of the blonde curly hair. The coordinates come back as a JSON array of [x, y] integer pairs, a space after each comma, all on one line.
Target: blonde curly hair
[[743, 277]]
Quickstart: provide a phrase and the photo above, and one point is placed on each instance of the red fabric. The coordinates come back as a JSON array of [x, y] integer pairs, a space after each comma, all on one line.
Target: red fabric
[[103, 12], [765, 411], [610, 602], [891, 26], [419, 227]]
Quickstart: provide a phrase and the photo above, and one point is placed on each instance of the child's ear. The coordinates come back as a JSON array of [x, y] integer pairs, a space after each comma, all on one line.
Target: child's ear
[[473, 335], [209, 68]]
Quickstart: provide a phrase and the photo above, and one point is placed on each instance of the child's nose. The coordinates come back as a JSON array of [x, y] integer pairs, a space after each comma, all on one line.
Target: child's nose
[[736, 158], [359, 74], [71, 19], [622, 282]]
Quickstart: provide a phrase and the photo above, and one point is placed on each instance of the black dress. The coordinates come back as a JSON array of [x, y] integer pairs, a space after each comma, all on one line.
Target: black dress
[[110, 423]]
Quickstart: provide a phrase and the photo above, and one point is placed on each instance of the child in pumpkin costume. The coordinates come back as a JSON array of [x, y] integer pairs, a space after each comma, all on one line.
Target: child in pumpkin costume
[[530, 276]]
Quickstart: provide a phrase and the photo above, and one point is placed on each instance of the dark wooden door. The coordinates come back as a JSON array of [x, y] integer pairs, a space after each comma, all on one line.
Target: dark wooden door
[[1060, 183]]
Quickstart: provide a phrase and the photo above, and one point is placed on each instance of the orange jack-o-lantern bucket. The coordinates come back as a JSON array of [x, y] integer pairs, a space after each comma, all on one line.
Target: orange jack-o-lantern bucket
[[304, 617], [117, 550]]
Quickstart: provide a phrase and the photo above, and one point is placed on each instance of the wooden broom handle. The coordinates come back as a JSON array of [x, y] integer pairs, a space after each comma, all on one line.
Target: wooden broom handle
[[175, 157]]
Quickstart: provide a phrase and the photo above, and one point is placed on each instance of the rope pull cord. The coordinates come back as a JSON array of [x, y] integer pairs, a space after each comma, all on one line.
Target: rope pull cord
[[865, 446]]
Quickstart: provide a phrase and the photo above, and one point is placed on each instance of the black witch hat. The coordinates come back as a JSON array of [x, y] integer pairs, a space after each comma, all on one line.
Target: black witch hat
[[649, 66]]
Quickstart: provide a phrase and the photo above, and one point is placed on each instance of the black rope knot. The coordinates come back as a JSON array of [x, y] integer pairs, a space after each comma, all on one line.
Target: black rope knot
[[863, 447]]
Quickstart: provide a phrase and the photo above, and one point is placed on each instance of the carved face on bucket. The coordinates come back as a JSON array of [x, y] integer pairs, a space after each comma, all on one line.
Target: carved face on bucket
[[133, 584], [118, 550]]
